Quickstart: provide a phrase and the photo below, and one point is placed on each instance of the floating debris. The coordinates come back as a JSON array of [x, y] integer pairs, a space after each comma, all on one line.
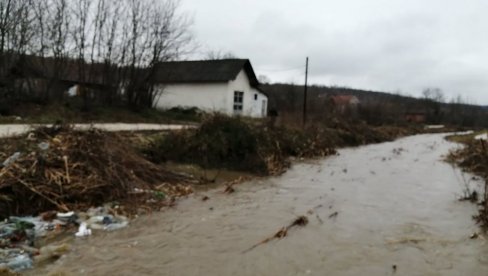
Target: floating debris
[[319, 219], [333, 215], [83, 230], [283, 232], [229, 189], [398, 151]]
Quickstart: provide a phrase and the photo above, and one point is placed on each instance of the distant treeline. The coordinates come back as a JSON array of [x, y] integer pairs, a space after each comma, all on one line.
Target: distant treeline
[[375, 107]]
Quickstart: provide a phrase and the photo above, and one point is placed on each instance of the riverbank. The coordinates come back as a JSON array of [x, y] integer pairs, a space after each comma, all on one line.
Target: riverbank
[[231, 143], [473, 158], [57, 181], [63, 169], [396, 213]]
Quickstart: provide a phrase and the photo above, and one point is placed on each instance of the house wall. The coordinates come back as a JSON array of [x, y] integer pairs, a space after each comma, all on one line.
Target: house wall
[[210, 97], [252, 107], [415, 118], [214, 97]]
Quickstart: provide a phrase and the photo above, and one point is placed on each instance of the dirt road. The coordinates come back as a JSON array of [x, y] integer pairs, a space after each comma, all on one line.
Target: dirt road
[[386, 209], [8, 130]]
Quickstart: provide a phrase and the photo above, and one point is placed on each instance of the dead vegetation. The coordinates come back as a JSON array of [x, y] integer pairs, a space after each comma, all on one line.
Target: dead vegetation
[[236, 144], [473, 157], [63, 169]]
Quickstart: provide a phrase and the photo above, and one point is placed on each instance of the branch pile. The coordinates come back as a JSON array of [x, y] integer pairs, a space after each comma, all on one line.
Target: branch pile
[[60, 168]]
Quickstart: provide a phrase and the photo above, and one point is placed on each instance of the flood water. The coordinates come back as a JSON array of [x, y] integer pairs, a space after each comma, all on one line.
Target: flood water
[[396, 207]]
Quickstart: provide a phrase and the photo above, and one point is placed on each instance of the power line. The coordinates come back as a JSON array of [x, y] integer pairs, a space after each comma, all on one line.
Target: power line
[[282, 70]]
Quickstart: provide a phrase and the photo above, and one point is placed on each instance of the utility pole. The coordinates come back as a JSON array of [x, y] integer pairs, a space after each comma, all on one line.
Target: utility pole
[[305, 95]]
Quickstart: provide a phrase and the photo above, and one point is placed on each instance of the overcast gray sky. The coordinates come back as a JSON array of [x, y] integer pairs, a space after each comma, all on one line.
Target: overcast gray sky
[[386, 45]]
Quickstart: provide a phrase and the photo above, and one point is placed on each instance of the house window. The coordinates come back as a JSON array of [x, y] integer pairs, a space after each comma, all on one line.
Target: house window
[[255, 97], [238, 101]]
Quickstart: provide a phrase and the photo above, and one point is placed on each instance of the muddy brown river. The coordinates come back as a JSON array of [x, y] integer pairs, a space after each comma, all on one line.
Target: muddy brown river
[[396, 210]]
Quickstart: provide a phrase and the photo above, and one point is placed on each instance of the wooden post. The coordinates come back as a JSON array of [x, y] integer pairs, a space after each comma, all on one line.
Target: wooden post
[[305, 95]]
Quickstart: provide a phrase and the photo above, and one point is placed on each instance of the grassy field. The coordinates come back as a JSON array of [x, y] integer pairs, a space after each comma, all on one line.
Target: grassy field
[[465, 138]]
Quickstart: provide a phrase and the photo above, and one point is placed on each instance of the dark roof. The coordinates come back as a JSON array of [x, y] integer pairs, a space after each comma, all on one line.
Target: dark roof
[[204, 71], [64, 70], [167, 72]]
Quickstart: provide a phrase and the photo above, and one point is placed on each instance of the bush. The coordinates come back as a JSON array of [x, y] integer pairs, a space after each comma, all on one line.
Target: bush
[[220, 141], [232, 143]]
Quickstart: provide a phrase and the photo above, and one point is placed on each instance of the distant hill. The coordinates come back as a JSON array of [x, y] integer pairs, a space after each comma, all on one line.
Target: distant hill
[[376, 107]]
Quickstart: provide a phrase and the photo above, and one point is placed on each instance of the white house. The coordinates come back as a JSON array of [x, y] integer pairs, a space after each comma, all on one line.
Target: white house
[[227, 86]]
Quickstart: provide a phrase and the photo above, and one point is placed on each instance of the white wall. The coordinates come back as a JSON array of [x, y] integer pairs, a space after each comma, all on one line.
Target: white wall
[[251, 106], [208, 97], [213, 97]]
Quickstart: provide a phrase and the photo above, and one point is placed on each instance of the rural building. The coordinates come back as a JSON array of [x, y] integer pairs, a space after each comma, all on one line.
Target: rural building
[[418, 117], [227, 86], [343, 103], [33, 75]]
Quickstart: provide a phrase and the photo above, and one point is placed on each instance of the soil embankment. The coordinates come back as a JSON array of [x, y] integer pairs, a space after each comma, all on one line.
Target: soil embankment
[[236, 144], [64, 169], [473, 157]]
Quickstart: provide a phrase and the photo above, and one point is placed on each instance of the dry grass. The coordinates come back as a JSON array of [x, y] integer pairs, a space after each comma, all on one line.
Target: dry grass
[[474, 158]]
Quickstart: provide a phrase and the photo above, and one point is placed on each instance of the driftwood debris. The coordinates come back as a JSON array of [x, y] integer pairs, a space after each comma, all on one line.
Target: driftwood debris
[[65, 169], [283, 232], [333, 215], [229, 189]]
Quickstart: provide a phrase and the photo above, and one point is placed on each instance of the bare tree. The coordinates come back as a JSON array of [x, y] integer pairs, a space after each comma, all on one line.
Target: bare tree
[[263, 79], [106, 30], [79, 33], [157, 33], [168, 34], [219, 54], [6, 21], [58, 33], [433, 94], [433, 98], [111, 43]]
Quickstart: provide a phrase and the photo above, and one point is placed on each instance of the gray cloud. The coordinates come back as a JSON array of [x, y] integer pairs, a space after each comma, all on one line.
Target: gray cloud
[[376, 44]]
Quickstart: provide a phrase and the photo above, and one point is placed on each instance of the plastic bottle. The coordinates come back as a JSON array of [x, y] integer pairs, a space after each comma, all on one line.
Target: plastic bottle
[[11, 159]]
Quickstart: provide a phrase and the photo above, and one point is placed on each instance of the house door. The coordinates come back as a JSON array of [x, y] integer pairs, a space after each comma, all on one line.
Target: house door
[[264, 109]]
